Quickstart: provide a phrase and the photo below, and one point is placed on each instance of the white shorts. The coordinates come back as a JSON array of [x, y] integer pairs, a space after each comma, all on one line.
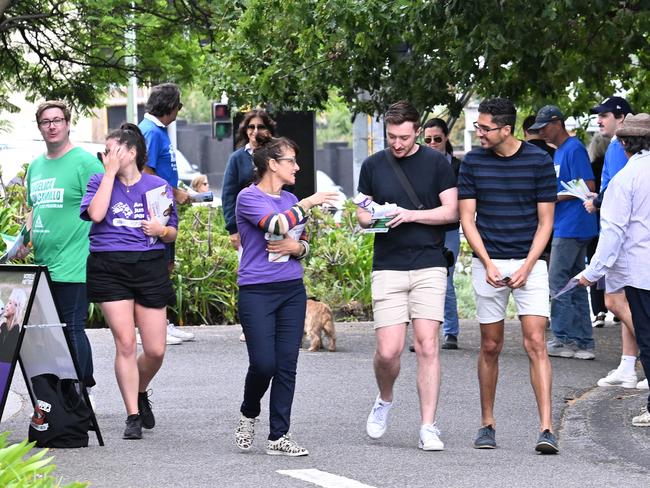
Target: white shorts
[[491, 303]]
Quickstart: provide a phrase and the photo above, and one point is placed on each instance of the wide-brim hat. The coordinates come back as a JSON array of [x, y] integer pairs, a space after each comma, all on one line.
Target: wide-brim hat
[[635, 125]]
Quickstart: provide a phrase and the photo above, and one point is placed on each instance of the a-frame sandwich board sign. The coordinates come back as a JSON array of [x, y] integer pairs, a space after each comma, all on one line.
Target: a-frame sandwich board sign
[[33, 333]]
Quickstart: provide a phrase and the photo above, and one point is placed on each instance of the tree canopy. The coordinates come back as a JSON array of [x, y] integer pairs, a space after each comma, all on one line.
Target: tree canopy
[[291, 54], [76, 50], [569, 52]]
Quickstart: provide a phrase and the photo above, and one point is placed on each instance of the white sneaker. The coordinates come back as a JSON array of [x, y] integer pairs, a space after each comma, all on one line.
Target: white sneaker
[[242, 337], [430, 438], [599, 321], [174, 331], [173, 341], [642, 385], [642, 420], [378, 418], [616, 378]]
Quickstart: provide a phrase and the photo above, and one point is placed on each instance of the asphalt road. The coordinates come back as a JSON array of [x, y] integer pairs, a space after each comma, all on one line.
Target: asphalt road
[[196, 400]]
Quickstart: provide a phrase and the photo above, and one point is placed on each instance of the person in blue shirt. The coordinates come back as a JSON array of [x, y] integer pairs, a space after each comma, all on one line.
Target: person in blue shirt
[[162, 108], [573, 229]]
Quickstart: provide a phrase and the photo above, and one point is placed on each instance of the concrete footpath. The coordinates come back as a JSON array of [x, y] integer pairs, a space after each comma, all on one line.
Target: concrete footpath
[[197, 393]]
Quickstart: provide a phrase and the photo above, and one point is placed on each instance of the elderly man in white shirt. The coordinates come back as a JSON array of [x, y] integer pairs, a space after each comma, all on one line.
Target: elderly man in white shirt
[[624, 242]]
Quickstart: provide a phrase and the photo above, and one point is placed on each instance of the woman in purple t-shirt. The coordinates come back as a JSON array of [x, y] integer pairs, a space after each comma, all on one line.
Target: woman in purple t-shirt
[[126, 269], [272, 296]]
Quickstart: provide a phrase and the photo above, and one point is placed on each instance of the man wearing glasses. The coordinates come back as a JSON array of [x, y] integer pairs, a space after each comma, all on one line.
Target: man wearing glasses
[[507, 192], [56, 182], [162, 108]]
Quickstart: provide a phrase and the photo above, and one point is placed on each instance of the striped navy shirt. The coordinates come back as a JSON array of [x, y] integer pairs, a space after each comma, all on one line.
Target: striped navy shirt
[[507, 190]]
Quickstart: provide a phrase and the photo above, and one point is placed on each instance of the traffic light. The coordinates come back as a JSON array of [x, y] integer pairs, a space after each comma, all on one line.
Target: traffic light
[[221, 122]]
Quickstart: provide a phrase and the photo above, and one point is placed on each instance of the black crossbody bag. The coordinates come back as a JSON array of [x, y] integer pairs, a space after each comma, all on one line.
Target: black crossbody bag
[[410, 192]]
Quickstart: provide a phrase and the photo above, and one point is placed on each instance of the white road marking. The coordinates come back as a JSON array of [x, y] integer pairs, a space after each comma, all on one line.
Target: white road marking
[[323, 478]]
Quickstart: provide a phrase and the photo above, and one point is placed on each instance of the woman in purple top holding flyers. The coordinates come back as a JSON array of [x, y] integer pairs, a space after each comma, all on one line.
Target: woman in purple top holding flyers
[[272, 296], [126, 270]]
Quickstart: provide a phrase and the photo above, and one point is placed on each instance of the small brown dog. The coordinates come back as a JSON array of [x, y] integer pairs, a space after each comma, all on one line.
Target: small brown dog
[[319, 319]]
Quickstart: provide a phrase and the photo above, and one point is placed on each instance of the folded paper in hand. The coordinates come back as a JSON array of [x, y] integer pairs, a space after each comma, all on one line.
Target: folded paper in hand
[[158, 202], [576, 188], [378, 212], [573, 282]]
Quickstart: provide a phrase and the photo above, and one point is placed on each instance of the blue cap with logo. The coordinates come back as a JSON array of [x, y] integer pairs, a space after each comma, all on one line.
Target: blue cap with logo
[[546, 114], [616, 105]]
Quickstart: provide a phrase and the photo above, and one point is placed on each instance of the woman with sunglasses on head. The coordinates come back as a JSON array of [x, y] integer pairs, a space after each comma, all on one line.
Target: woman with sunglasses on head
[[127, 269], [239, 168], [436, 136], [272, 298]]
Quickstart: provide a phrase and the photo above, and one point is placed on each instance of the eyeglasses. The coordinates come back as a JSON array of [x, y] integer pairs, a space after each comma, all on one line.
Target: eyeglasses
[[292, 160], [46, 123], [484, 130], [258, 127], [436, 139]]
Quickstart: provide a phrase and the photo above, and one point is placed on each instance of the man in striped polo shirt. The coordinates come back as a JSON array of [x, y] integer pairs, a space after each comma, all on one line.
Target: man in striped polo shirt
[[507, 193]]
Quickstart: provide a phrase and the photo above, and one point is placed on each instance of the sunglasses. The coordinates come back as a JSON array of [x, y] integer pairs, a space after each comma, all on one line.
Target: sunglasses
[[258, 127], [436, 139]]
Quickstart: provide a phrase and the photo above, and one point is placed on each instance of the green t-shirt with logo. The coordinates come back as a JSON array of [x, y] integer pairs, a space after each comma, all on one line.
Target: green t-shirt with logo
[[54, 191]]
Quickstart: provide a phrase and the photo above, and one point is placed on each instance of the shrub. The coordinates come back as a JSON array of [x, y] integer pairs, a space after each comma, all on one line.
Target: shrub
[[18, 471]]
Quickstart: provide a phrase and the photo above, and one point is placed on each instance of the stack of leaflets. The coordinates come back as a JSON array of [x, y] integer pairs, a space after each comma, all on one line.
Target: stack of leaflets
[[576, 188], [379, 213]]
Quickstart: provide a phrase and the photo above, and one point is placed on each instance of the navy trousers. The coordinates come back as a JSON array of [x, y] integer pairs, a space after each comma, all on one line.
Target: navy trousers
[[272, 317], [639, 301]]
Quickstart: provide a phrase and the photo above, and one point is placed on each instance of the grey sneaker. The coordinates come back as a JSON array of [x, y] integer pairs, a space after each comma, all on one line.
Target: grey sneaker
[[642, 420], [486, 438], [133, 428], [245, 433], [285, 446], [547, 443], [559, 349], [584, 354]]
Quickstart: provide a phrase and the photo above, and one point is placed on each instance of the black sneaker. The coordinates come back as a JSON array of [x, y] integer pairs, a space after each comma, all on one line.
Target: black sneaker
[[144, 407], [450, 342], [486, 438], [547, 443], [133, 427]]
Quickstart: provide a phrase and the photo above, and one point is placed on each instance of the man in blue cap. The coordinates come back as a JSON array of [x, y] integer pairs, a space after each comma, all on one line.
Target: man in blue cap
[[573, 229]]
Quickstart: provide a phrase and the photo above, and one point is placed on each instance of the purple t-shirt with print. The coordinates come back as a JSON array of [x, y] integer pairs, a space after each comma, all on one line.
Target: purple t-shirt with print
[[254, 266], [120, 230]]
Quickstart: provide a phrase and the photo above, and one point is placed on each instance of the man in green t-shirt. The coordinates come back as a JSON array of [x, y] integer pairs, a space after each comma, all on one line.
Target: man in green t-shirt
[[56, 182]]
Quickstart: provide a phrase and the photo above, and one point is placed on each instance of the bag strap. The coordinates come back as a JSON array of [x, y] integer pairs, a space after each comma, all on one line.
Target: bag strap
[[404, 181]]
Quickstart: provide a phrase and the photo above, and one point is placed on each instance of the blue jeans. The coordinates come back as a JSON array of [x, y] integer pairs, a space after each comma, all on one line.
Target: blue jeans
[[450, 325], [273, 318], [73, 305], [570, 318]]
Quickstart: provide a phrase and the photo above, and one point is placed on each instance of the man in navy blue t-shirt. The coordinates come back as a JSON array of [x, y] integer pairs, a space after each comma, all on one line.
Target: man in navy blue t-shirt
[[506, 192], [573, 229]]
